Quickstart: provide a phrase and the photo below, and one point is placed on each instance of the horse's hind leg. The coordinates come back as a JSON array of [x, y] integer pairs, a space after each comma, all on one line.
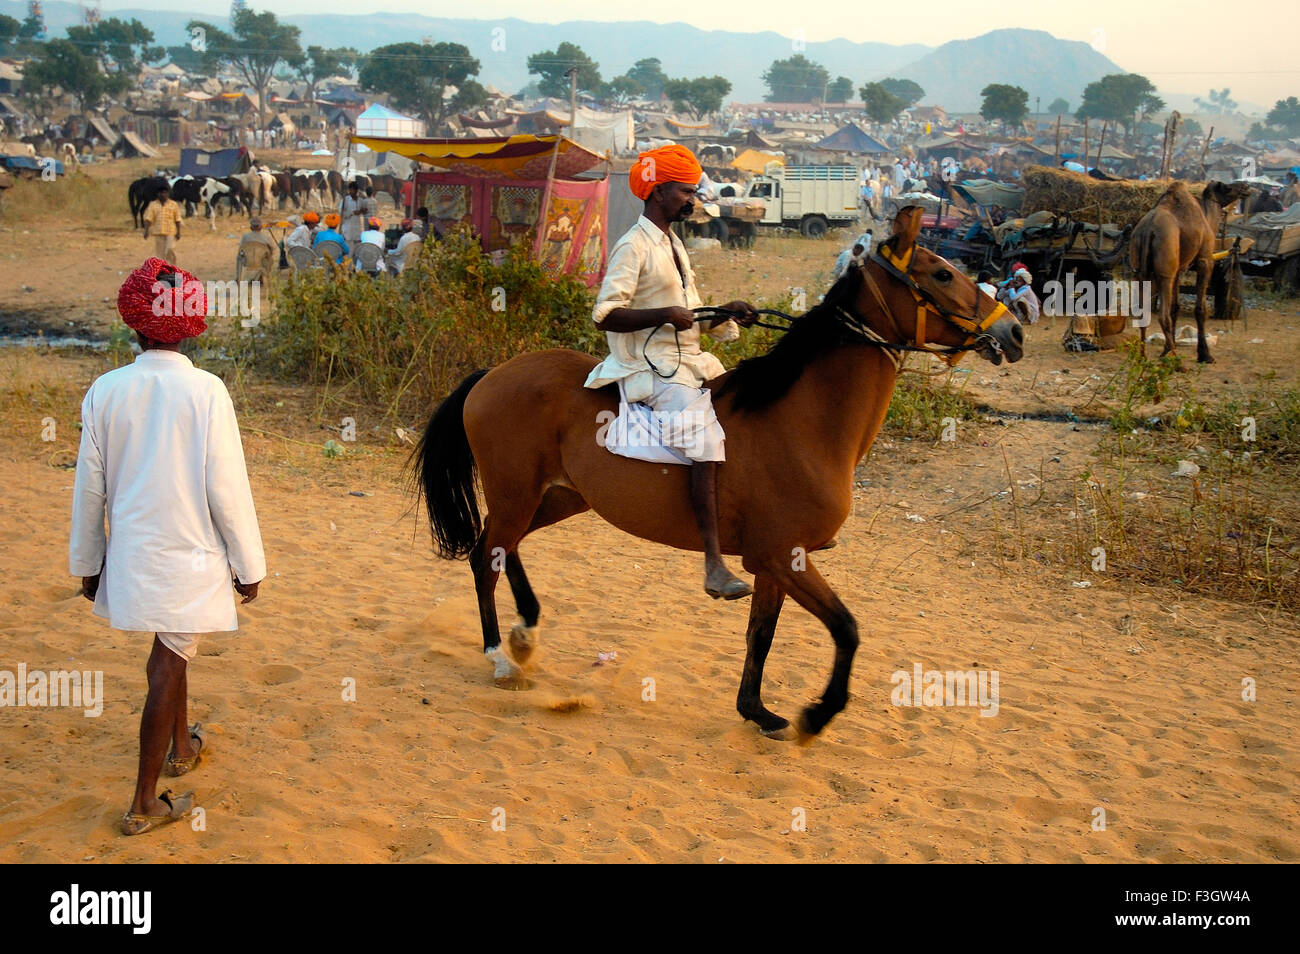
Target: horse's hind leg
[[559, 503], [523, 635], [488, 558], [764, 610]]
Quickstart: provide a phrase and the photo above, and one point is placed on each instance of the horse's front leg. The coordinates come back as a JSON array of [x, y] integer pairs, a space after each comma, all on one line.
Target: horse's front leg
[[814, 594], [764, 610]]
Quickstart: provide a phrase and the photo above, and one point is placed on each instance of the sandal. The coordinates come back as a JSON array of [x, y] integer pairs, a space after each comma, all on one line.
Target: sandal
[[176, 767], [179, 806]]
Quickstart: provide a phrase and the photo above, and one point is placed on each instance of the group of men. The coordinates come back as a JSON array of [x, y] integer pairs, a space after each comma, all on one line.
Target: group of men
[[310, 231]]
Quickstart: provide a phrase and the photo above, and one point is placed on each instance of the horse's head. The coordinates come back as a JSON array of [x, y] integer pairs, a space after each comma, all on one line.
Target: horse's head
[[928, 303]]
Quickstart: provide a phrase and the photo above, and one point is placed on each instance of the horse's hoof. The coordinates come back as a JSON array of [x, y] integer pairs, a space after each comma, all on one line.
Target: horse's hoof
[[523, 641], [785, 733], [515, 682]]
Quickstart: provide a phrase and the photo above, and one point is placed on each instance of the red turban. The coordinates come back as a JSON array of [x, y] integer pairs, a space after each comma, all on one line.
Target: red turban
[[162, 302], [671, 163]]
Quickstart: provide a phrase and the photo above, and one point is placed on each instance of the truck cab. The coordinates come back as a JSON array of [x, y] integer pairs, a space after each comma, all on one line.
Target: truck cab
[[768, 190]]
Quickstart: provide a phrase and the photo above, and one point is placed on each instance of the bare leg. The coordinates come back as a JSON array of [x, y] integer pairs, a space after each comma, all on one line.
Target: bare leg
[[718, 580], [166, 672]]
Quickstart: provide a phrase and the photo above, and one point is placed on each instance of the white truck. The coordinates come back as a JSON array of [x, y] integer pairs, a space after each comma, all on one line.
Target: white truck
[[811, 199]]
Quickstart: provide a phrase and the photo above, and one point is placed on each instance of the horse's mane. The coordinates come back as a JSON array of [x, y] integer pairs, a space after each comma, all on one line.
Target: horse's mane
[[758, 382]]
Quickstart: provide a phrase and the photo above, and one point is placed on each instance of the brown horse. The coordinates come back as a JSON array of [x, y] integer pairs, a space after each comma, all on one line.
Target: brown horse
[[797, 420], [1180, 233]]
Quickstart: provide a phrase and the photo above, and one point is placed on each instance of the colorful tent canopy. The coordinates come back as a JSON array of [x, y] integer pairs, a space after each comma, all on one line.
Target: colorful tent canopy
[[511, 157]]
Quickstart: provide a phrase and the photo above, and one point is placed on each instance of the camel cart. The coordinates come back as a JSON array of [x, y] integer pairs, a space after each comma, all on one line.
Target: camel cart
[[1269, 245]]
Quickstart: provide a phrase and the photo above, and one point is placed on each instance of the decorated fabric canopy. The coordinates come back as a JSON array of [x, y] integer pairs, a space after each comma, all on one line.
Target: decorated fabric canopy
[[510, 157]]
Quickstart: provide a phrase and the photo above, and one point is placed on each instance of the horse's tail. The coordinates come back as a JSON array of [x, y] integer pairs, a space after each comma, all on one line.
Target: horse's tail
[[446, 475]]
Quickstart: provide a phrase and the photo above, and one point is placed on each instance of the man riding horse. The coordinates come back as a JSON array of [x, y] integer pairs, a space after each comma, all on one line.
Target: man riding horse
[[644, 308]]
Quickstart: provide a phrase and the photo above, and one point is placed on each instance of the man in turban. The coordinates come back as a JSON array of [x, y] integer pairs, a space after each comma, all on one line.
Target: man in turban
[[161, 459], [644, 308], [330, 233]]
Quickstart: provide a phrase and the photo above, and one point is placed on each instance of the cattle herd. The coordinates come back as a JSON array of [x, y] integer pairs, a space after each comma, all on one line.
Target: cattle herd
[[260, 187]]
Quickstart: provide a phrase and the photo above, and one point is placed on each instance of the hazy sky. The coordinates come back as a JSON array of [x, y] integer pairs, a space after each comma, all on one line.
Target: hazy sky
[[1183, 47]]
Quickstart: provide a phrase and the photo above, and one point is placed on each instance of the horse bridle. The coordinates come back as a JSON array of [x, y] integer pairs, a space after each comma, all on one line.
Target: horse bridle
[[898, 268]]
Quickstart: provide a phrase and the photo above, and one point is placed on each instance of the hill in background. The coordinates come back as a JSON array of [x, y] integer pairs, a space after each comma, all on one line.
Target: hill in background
[[952, 75]]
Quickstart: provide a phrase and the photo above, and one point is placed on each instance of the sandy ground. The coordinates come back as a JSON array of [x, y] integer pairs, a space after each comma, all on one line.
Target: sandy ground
[[1117, 697]]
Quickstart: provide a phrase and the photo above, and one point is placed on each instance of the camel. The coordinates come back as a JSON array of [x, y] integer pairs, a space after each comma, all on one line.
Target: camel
[[1179, 233]]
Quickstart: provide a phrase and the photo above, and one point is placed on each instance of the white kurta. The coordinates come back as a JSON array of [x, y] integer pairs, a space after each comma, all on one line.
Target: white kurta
[[641, 274], [161, 459]]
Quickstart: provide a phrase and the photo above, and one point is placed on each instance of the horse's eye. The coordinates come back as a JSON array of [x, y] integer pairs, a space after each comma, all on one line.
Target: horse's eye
[[943, 275]]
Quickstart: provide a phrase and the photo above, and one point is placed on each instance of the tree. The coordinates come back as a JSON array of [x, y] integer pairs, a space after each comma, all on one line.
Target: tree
[[119, 47], [795, 80], [1121, 98], [621, 89], [470, 94], [881, 105], [191, 61], [416, 75], [699, 96], [905, 89], [1008, 104], [1058, 106], [1190, 127], [1219, 102], [840, 91], [553, 67], [1285, 115], [9, 28], [61, 63], [320, 63], [650, 75], [257, 44]]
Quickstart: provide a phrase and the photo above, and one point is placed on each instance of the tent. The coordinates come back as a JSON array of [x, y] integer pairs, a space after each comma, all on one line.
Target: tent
[[282, 121], [501, 188], [107, 134], [514, 157], [131, 145], [850, 138], [379, 120], [340, 96], [753, 160], [754, 141], [986, 192], [218, 162]]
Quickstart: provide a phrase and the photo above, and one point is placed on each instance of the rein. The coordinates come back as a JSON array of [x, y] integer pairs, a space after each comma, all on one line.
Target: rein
[[976, 327]]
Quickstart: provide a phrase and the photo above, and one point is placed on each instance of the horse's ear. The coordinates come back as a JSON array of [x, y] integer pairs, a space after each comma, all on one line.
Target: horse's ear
[[907, 226]]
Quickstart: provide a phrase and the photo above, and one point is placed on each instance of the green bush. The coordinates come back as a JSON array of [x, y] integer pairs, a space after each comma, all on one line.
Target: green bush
[[406, 341]]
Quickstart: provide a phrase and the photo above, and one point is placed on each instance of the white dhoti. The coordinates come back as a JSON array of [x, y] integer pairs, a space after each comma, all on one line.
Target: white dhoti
[[675, 425]]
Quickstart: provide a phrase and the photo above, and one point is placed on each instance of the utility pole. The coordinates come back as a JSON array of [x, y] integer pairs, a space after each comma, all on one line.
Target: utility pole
[[573, 99]]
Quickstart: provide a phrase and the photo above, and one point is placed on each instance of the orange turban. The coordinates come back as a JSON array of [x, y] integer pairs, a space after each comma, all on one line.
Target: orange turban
[[672, 163], [332, 220]]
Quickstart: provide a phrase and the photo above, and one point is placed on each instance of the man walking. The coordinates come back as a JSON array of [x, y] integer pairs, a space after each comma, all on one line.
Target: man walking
[[163, 219], [161, 459]]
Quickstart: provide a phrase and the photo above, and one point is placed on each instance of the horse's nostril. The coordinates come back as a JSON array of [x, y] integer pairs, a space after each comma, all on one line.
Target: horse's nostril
[[1018, 334]]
